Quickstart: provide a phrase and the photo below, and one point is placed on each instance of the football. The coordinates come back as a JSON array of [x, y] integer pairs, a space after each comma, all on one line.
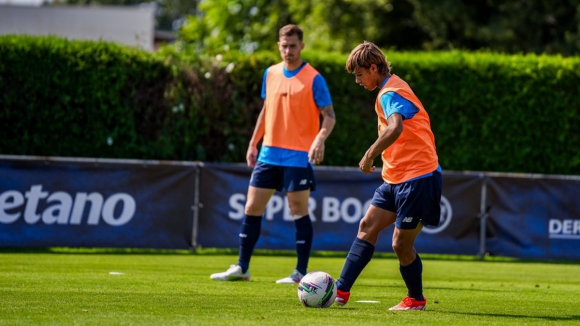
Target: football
[[317, 290]]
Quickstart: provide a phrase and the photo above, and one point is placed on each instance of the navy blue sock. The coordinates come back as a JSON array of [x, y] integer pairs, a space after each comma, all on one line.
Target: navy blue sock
[[304, 236], [359, 256], [412, 275], [249, 235]]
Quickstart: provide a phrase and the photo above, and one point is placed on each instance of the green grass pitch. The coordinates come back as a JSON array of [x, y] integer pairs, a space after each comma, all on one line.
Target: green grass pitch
[[69, 287]]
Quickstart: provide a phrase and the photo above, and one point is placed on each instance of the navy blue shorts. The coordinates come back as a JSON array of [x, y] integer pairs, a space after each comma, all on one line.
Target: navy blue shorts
[[282, 177], [414, 201]]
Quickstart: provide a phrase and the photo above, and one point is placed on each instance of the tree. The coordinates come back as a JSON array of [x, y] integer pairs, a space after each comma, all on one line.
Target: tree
[[509, 26], [331, 25], [244, 25], [528, 26]]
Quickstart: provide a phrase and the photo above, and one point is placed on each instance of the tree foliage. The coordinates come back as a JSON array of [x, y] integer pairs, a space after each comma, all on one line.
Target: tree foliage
[[534, 26], [508, 26], [244, 25], [332, 25]]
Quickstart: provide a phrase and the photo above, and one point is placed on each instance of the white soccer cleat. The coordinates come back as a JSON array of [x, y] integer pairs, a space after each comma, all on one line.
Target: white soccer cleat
[[292, 279], [234, 273]]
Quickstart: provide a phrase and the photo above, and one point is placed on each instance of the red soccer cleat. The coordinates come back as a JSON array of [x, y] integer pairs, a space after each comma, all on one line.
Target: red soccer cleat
[[341, 297], [410, 304]]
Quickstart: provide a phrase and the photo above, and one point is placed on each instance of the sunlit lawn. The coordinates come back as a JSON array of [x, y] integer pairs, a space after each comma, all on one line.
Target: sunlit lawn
[[175, 289]]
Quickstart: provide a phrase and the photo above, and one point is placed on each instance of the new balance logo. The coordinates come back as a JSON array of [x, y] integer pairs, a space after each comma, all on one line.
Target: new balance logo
[[303, 182], [408, 219], [243, 235], [301, 242]]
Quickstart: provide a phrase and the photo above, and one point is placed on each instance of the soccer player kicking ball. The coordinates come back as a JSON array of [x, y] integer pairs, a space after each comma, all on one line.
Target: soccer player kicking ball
[[411, 192]]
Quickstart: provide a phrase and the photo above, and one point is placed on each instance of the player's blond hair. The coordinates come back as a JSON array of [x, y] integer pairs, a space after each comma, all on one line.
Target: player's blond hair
[[366, 54]]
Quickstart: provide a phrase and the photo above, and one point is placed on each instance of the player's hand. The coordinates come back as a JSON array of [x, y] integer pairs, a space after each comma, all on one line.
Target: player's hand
[[366, 165], [252, 156], [316, 153]]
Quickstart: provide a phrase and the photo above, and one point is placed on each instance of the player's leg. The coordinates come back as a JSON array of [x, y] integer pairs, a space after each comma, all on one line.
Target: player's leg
[[375, 220], [264, 182], [256, 203], [410, 267], [420, 206], [381, 214], [298, 183]]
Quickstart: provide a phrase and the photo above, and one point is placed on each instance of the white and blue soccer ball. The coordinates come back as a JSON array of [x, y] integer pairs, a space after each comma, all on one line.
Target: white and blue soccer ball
[[317, 290]]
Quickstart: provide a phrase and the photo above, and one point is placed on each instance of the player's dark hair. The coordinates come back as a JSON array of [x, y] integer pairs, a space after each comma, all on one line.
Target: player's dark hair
[[290, 30], [366, 54]]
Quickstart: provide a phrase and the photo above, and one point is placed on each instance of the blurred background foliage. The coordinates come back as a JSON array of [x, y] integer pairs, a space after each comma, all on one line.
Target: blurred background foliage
[[489, 111], [507, 26], [500, 80]]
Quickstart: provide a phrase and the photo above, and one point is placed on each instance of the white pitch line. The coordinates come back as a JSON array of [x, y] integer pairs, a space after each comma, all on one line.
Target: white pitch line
[[368, 301]]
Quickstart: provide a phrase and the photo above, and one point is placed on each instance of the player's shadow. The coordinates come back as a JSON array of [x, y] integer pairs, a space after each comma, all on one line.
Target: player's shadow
[[430, 288], [547, 318]]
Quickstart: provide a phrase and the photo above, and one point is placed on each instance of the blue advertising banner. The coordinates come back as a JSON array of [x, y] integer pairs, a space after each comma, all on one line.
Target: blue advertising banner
[[459, 225], [535, 218], [68, 202], [336, 207], [95, 203]]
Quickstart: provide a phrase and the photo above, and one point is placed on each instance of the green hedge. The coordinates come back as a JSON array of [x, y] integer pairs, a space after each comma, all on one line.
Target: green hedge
[[85, 99], [501, 113], [489, 112]]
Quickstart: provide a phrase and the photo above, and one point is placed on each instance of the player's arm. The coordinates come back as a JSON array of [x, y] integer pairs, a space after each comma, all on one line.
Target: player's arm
[[386, 139], [259, 130], [324, 103], [316, 153]]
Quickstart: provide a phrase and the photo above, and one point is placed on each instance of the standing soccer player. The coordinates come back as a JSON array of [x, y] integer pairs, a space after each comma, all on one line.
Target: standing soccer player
[[411, 192], [295, 95]]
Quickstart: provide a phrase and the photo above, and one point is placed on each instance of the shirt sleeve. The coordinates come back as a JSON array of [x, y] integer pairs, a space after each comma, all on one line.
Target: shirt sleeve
[[264, 83], [395, 103], [320, 91]]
